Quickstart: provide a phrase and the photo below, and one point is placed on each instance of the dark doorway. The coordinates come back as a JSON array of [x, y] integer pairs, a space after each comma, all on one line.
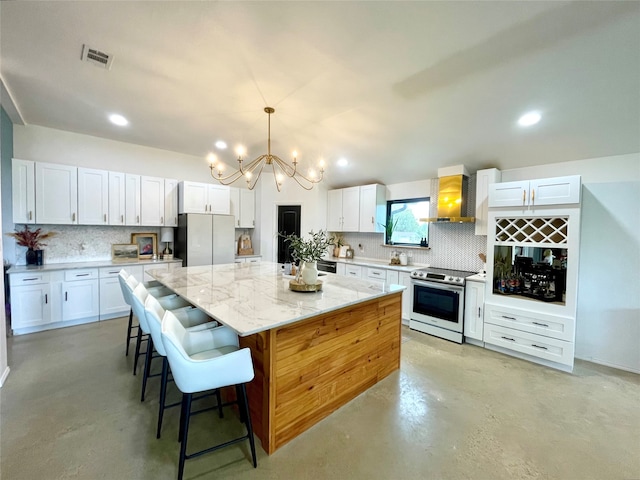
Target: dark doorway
[[288, 223]]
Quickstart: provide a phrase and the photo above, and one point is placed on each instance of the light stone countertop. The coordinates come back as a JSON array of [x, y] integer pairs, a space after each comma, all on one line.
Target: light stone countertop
[[478, 277], [376, 263], [50, 267], [255, 297]]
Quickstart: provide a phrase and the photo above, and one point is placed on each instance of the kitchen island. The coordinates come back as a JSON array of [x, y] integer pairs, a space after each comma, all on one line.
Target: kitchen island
[[312, 352]]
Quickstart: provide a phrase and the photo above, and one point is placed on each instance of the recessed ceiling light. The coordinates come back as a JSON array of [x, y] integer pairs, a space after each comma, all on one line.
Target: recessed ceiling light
[[221, 145], [118, 120], [529, 118], [343, 162]]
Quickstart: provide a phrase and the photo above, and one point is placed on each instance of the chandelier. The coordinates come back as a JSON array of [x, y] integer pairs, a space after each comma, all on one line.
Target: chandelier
[[252, 171]]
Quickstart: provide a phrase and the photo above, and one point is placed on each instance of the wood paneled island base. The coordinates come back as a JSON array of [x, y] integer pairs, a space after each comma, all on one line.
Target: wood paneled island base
[[306, 370]]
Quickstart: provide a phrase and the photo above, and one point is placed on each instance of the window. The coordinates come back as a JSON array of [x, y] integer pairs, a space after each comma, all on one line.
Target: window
[[405, 215]]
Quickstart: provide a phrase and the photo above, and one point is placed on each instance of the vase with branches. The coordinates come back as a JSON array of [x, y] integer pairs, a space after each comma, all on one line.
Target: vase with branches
[[309, 251], [33, 240]]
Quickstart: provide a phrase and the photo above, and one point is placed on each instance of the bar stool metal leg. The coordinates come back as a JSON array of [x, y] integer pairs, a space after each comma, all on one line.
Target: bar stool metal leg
[[186, 408], [129, 327]]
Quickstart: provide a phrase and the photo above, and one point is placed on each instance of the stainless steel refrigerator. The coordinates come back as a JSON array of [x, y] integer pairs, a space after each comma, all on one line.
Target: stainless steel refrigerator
[[205, 239]]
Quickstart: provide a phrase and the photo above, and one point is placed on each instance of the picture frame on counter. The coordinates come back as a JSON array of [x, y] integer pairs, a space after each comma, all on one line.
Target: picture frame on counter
[[147, 244], [123, 252]]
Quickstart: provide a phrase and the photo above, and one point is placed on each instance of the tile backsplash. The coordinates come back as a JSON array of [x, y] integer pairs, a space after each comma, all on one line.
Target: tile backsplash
[[452, 245], [82, 243]]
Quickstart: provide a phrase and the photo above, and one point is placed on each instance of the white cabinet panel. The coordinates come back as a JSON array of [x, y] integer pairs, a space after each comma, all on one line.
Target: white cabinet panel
[[405, 279], [474, 310], [393, 277], [536, 193], [23, 193], [170, 202], [194, 197], [343, 210], [56, 194], [93, 196], [341, 269], [81, 299], [30, 305], [112, 303], [152, 201], [247, 208], [556, 326], [132, 201], [484, 178], [373, 208], [117, 198], [353, 271]]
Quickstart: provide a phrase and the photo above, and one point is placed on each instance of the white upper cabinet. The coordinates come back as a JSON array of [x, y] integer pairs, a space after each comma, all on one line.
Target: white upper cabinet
[[56, 194], [195, 197], [343, 210], [132, 201], [170, 202], [152, 201], [536, 193], [23, 191], [243, 207], [484, 178], [373, 207], [93, 197], [117, 198]]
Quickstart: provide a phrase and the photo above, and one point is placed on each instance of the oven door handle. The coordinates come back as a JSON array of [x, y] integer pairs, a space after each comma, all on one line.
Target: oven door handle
[[438, 286]]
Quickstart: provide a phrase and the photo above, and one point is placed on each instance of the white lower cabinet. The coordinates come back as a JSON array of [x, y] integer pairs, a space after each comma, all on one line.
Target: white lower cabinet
[[341, 269], [375, 274], [80, 295], [404, 279], [30, 300], [61, 298], [353, 271], [250, 259], [473, 311], [112, 302], [545, 336]]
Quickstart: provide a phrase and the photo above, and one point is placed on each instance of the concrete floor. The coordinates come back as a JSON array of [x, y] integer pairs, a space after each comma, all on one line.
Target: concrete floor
[[70, 409]]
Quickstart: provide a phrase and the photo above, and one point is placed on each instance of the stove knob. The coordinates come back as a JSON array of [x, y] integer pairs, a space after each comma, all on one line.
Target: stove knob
[[450, 279], [421, 274]]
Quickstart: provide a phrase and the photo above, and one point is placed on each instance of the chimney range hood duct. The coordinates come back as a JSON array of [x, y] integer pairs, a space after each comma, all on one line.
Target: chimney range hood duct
[[452, 198]]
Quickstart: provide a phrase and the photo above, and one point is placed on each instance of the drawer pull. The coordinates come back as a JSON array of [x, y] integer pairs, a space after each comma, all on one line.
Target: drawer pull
[[538, 346], [376, 273], [82, 274], [510, 339], [29, 279], [540, 324], [508, 318], [115, 272]]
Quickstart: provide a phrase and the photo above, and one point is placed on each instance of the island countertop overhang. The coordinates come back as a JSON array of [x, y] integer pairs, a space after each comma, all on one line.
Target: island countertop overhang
[[255, 297]]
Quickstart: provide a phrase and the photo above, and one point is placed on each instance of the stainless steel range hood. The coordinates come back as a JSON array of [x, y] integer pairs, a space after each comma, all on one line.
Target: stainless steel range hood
[[452, 197]]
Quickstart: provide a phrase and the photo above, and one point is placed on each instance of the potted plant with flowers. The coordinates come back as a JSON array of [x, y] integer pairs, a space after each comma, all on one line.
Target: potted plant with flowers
[[308, 252], [33, 240]]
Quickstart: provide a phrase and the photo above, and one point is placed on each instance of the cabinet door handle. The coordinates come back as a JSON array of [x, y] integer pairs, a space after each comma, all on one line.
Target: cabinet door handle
[[73, 217], [539, 346], [540, 324], [478, 312], [238, 222], [161, 219], [533, 195], [510, 339], [30, 215], [508, 318], [46, 298], [105, 218], [371, 220], [175, 220], [121, 218], [524, 196], [65, 296], [137, 218], [253, 222]]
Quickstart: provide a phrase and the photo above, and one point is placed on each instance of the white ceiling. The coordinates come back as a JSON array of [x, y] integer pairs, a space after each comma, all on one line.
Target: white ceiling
[[397, 88]]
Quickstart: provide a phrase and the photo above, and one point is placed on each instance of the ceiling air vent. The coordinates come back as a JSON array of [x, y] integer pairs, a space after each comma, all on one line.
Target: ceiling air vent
[[96, 57]]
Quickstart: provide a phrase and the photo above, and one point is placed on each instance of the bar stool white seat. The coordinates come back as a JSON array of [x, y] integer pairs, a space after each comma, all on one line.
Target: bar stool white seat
[[207, 360], [168, 302], [187, 316], [156, 289]]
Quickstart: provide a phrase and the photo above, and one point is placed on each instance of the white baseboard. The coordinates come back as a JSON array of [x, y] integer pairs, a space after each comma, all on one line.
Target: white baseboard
[[609, 364], [4, 376]]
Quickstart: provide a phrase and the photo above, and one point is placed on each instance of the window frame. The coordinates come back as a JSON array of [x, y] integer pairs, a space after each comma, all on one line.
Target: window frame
[[390, 203]]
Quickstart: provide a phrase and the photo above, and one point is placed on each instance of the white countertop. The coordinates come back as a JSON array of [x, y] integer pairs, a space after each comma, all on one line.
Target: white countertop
[[255, 297], [478, 277], [50, 267], [372, 262]]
